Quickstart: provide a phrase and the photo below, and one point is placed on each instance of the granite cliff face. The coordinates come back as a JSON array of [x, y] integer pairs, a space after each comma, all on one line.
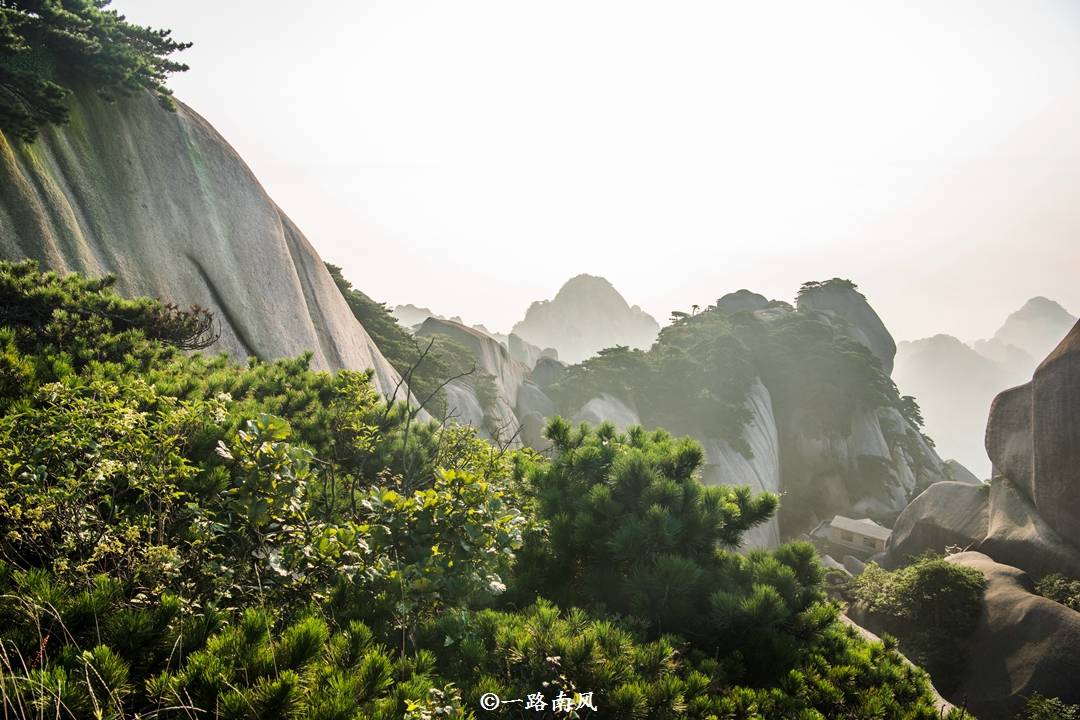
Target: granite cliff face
[[162, 202], [467, 399], [847, 304], [724, 464], [585, 316]]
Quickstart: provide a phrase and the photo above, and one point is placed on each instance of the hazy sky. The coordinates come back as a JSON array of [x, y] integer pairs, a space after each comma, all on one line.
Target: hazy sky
[[472, 155]]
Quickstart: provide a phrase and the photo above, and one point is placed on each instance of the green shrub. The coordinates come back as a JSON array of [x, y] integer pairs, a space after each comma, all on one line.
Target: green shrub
[[932, 606], [1060, 589], [1039, 707], [182, 536]]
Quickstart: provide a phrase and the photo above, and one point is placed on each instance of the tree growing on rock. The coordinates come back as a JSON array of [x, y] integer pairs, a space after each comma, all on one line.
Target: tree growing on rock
[[48, 48]]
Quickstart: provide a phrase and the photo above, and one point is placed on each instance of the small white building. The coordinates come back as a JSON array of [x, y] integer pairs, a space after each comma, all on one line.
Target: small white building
[[863, 535]]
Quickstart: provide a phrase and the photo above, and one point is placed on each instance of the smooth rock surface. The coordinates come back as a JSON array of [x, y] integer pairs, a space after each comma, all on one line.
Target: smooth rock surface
[[1023, 644], [162, 202], [1009, 440], [491, 356], [724, 465], [1056, 437], [548, 370], [1018, 535], [945, 514], [607, 408]]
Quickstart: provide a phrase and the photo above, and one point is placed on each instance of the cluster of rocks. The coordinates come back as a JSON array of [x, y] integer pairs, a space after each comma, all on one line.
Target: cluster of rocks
[[1021, 526]]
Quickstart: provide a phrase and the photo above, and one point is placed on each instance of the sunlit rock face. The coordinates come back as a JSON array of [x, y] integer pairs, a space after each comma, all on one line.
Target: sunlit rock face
[[163, 203], [586, 316], [946, 514]]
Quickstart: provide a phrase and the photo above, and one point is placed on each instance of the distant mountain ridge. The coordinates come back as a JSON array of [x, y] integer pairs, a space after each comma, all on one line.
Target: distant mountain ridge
[[955, 381], [587, 315]]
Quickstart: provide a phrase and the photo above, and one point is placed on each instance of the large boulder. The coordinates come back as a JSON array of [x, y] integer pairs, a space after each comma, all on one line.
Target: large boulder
[[1018, 535], [533, 408], [548, 371], [1023, 644], [1055, 426], [161, 201], [741, 301], [945, 514], [1009, 440]]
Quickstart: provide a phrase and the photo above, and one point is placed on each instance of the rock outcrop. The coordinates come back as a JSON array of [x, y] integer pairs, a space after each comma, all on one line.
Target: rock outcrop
[[1028, 523], [1055, 430], [1018, 535], [960, 473], [741, 301], [491, 356], [841, 300], [1023, 644], [864, 472], [585, 316], [493, 360], [946, 514], [526, 353], [607, 408], [725, 465], [1033, 440], [162, 202]]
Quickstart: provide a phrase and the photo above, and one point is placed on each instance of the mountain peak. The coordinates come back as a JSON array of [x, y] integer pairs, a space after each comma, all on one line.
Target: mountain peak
[[587, 314]]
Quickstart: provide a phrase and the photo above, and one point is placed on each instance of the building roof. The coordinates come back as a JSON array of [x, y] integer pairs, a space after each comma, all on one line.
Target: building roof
[[864, 526]]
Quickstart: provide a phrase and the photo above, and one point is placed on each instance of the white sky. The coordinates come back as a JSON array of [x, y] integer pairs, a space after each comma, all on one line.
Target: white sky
[[471, 155]]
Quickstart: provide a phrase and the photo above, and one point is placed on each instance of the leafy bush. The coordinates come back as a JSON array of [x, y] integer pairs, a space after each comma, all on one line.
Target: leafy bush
[[181, 536], [932, 606], [1060, 589], [46, 48], [1039, 707]]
